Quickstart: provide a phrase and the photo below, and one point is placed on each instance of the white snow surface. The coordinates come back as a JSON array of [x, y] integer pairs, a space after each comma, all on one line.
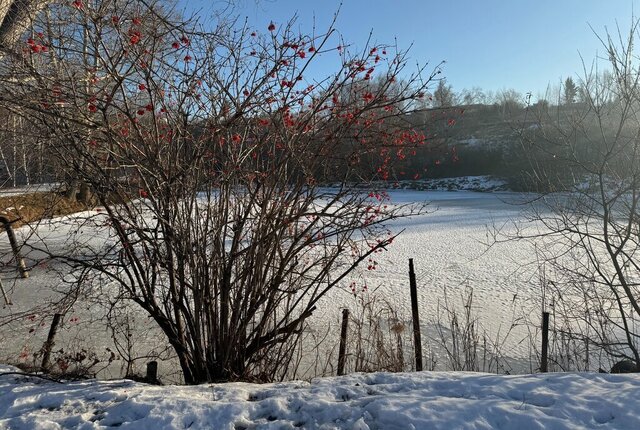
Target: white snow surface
[[425, 400], [449, 246]]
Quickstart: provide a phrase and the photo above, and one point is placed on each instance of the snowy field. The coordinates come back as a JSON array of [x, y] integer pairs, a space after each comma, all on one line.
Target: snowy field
[[384, 401], [450, 247], [454, 252]]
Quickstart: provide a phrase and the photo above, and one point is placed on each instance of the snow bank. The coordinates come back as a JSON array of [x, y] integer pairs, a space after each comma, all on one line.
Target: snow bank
[[26, 189], [362, 401], [482, 183], [462, 183]]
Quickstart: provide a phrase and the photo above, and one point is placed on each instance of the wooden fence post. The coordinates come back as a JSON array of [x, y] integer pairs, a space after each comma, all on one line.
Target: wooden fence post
[[343, 342], [152, 372], [14, 247], [545, 343], [48, 345], [7, 301], [417, 341]]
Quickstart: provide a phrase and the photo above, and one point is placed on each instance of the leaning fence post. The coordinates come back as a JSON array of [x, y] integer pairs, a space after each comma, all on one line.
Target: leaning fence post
[[417, 342], [48, 345], [343, 342], [14, 246], [545, 342], [7, 301]]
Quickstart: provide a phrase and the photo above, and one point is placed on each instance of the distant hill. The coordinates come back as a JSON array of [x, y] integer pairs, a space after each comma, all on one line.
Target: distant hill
[[495, 140]]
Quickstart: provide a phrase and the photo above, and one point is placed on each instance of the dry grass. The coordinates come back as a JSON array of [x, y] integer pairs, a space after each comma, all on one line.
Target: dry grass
[[32, 207]]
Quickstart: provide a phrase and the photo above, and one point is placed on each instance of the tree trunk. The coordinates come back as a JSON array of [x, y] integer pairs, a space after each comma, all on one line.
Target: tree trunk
[[85, 195], [73, 189], [16, 17]]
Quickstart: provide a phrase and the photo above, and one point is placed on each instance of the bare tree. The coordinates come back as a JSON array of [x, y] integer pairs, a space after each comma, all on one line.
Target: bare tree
[[590, 226], [475, 95], [16, 17], [509, 101], [212, 152], [443, 95]]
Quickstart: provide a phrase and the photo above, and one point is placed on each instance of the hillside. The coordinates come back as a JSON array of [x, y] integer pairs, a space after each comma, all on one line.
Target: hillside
[[497, 140]]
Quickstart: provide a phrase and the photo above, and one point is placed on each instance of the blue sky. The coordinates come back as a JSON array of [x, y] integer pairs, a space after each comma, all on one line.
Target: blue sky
[[492, 44]]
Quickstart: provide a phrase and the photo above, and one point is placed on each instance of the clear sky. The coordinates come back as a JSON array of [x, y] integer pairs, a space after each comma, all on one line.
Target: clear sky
[[492, 44]]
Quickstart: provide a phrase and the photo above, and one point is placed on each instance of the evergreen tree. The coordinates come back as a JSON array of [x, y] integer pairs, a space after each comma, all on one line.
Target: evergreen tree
[[570, 91]]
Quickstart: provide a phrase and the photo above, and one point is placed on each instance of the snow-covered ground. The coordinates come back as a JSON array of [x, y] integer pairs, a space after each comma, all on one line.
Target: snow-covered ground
[[454, 251], [384, 401]]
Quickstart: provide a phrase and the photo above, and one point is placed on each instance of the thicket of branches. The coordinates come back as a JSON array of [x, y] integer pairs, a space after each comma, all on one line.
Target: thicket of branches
[[211, 150], [591, 229]]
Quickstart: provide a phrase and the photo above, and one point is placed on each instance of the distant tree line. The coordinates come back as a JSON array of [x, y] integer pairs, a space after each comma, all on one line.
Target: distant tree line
[[467, 132]]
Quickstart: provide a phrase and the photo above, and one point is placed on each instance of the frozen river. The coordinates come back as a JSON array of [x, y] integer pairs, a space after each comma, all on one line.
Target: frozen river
[[453, 250]]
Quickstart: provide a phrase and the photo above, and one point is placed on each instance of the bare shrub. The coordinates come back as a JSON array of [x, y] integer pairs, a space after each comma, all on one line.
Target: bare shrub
[[466, 345], [228, 146], [378, 336], [587, 153]]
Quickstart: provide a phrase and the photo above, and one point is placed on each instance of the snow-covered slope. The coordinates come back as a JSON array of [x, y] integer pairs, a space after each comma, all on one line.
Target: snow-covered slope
[[362, 401]]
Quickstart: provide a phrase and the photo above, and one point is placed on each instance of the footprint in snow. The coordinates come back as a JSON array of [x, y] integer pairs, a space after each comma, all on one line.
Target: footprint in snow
[[603, 417]]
